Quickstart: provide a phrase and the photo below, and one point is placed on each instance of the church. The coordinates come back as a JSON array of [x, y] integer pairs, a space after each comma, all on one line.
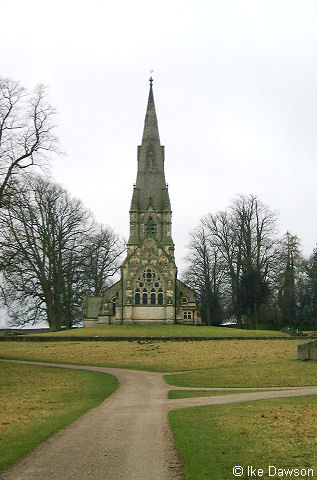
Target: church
[[148, 290]]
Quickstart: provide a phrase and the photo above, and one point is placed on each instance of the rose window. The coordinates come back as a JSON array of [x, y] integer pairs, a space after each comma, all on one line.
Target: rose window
[[148, 288]]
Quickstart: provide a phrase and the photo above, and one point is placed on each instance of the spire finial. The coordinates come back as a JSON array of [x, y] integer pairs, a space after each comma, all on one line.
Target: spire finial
[[151, 79]]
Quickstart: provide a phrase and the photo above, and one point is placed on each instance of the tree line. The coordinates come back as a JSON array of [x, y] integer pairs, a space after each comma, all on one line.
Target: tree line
[[52, 252], [242, 270]]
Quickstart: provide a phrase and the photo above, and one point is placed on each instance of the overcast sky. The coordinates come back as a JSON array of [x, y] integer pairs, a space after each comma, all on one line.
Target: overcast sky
[[235, 87]]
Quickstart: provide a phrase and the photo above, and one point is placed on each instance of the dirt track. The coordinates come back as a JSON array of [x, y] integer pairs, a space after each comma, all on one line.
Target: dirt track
[[127, 437]]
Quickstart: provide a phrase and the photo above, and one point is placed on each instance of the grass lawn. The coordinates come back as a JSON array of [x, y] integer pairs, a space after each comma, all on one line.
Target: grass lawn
[[279, 432], [38, 401], [203, 393], [163, 331], [223, 363], [258, 372]]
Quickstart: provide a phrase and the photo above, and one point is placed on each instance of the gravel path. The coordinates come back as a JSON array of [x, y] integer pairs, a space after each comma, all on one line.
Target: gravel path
[[127, 437]]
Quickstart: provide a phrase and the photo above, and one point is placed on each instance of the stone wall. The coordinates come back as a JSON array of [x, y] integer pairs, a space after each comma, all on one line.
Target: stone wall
[[307, 351], [93, 307], [149, 313]]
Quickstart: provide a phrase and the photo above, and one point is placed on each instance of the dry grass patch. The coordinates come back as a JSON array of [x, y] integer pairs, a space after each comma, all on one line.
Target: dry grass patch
[[224, 363], [160, 356]]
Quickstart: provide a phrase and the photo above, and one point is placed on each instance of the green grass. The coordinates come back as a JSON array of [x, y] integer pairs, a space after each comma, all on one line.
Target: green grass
[[212, 440], [174, 394], [283, 372], [163, 331], [39, 401]]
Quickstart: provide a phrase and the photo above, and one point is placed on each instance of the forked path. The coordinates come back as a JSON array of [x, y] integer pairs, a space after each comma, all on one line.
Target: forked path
[[127, 437]]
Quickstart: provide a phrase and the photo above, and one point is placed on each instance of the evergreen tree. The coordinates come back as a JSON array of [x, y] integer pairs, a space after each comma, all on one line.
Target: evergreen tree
[[290, 256], [312, 287]]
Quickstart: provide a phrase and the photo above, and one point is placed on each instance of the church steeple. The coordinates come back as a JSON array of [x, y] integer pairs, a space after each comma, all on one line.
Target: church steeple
[[150, 132], [148, 290], [150, 195]]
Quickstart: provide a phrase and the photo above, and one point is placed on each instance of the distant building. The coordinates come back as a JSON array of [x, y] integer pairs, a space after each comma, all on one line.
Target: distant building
[[148, 291]]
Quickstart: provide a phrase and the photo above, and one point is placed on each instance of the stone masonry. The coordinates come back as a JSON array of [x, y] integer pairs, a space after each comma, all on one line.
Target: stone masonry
[[307, 351], [148, 291]]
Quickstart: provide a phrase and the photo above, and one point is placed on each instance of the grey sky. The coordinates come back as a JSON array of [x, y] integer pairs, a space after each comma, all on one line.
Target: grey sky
[[235, 92]]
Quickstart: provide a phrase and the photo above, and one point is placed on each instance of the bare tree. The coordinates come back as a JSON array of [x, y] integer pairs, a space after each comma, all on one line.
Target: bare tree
[[43, 231], [244, 236], [205, 273], [59, 254], [102, 251], [224, 237], [255, 224], [26, 132]]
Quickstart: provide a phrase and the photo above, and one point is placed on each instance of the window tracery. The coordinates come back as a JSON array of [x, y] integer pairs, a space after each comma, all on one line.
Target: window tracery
[[149, 288]]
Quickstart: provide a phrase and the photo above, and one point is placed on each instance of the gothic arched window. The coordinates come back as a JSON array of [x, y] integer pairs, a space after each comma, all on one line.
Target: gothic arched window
[[144, 298], [114, 300], [137, 298], [151, 226]]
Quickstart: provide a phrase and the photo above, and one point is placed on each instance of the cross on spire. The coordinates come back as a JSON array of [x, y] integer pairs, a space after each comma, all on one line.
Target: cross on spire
[[151, 81]]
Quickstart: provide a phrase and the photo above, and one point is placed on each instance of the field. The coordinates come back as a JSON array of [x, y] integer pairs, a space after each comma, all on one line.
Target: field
[[211, 440], [38, 401], [162, 331], [226, 363], [279, 432]]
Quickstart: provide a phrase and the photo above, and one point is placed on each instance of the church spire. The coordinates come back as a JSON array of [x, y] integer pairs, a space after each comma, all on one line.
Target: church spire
[[150, 132], [150, 191]]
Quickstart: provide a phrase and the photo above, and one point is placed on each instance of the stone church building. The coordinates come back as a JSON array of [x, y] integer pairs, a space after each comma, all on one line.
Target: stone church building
[[148, 291]]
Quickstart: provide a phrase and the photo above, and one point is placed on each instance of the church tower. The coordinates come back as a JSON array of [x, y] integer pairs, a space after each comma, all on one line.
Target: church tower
[[150, 211], [149, 272], [148, 291]]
